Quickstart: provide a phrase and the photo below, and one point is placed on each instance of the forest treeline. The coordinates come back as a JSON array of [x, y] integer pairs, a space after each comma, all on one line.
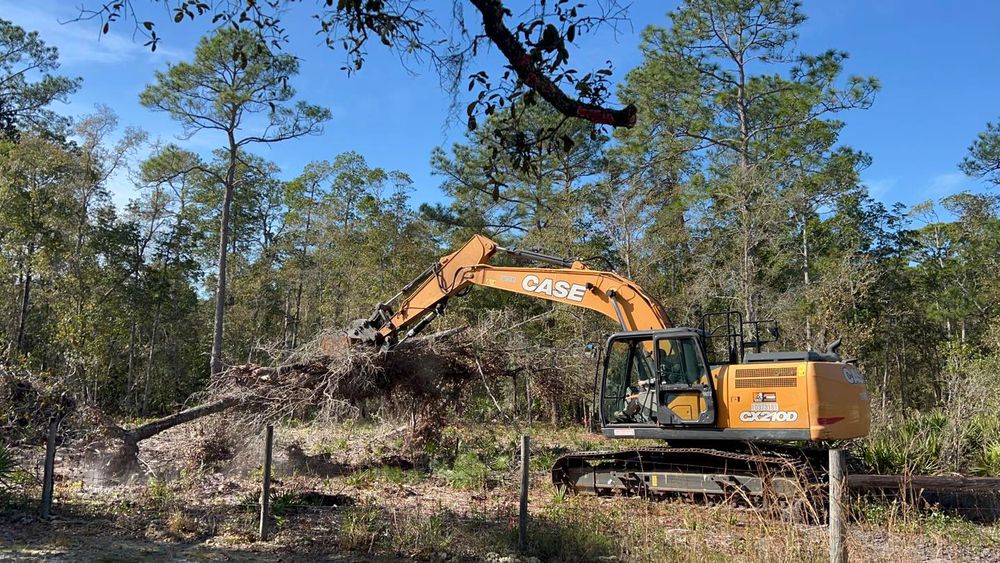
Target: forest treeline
[[733, 191]]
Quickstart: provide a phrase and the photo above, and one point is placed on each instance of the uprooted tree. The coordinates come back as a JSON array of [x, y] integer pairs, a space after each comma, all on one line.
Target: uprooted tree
[[423, 380]]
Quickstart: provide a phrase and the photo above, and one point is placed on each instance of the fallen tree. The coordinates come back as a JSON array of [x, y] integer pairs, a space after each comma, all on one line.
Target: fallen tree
[[422, 380], [150, 429]]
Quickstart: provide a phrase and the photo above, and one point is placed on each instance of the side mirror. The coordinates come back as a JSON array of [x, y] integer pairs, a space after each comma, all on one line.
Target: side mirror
[[774, 331]]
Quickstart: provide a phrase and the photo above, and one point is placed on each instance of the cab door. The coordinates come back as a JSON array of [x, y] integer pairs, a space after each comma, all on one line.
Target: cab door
[[628, 392], [685, 395]]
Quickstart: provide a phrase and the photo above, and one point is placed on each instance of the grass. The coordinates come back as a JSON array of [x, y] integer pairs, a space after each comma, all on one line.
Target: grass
[[894, 516], [181, 525], [333, 447]]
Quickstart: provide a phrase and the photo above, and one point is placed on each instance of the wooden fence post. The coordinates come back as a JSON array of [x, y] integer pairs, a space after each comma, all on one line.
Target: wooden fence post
[[48, 477], [265, 490], [838, 546], [522, 520]]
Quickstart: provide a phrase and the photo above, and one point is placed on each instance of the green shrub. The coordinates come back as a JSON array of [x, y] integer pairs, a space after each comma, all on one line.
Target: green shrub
[[988, 459], [926, 443], [467, 472], [7, 466], [159, 492], [542, 460], [284, 503], [911, 445]]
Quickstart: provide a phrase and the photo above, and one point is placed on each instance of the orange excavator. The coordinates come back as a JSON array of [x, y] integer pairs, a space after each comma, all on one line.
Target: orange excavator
[[725, 408]]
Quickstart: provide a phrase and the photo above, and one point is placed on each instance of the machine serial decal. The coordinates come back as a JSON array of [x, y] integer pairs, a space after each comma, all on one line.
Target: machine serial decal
[[559, 289], [773, 416], [853, 375]]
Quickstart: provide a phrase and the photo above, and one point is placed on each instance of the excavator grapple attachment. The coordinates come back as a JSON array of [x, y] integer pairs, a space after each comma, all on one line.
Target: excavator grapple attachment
[[366, 331], [361, 331]]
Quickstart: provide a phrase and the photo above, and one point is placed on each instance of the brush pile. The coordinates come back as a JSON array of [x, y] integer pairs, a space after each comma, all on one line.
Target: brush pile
[[422, 380], [28, 402]]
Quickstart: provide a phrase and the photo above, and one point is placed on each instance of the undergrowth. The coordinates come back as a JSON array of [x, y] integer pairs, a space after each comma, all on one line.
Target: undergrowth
[[932, 442]]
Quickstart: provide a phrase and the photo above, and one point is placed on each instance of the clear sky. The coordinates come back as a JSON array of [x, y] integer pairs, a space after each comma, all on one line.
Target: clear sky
[[938, 62]]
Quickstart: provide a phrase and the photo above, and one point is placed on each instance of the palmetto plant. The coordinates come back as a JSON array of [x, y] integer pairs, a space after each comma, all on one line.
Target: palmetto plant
[[7, 466]]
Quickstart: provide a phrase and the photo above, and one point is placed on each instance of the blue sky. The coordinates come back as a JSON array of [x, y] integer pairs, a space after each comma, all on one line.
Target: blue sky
[[938, 62]]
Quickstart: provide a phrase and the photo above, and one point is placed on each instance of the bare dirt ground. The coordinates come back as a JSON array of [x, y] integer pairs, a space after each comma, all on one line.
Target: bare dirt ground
[[340, 495]]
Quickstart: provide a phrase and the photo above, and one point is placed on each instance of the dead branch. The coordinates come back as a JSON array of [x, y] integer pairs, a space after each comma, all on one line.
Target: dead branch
[[529, 73]]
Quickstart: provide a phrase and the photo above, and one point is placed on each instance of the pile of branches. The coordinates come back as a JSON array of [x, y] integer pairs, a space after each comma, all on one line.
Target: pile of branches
[[423, 380], [28, 403]]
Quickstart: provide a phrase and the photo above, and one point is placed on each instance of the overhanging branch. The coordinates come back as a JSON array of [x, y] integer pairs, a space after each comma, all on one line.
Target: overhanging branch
[[529, 73]]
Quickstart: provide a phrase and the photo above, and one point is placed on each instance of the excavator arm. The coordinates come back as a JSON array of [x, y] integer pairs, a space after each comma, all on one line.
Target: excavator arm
[[571, 282]]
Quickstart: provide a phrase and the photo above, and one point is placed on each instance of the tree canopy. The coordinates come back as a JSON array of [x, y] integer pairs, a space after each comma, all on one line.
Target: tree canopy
[[27, 85]]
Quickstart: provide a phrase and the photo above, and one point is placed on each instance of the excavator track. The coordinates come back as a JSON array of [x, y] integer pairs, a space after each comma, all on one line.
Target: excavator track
[[751, 474]]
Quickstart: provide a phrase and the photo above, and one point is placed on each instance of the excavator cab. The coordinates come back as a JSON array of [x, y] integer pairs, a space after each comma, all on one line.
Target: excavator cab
[[656, 378]]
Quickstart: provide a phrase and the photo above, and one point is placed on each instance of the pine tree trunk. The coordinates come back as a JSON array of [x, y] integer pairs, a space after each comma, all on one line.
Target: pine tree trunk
[[130, 378], [297, 319], [149, 362], [805, 278], [220, 292], [21, 340]]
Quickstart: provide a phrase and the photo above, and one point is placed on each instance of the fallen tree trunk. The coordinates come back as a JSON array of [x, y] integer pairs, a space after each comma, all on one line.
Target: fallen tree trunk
[[153, 428], [114, 452], [924, 483]]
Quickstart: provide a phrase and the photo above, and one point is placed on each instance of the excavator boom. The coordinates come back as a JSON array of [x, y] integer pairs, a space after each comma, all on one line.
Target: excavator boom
[[573, 284]]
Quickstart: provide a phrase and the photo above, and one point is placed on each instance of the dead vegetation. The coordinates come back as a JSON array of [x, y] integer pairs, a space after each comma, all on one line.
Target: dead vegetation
[[28, 402], [420, 381], [418, 385]]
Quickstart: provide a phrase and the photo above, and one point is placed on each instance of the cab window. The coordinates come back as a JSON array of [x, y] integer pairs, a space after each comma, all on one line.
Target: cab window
[[678, 362]]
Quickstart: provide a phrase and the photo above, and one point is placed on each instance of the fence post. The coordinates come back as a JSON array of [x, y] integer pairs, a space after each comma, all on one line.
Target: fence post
[[48, 477], [265, 490], [522, 520], [838, 547]]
